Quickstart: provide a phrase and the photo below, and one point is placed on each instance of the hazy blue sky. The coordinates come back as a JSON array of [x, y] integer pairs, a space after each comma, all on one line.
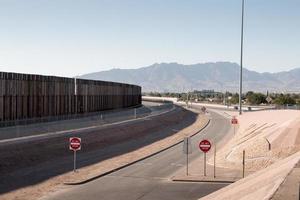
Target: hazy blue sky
[[69, 37]]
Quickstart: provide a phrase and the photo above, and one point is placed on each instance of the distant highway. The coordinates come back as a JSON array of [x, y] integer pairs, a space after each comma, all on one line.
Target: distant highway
[[31, 132], [150, 178]]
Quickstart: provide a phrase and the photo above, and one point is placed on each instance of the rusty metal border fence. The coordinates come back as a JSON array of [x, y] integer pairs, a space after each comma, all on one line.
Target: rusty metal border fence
[[27, 98]]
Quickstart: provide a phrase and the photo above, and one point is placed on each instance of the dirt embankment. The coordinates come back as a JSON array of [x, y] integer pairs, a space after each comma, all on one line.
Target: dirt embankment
[[28, 166], [271, 140], [266, 137]]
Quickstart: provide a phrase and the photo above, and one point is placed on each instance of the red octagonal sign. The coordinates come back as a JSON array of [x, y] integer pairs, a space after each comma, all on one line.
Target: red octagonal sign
[[234, 120], [205, 146], [75, 143]]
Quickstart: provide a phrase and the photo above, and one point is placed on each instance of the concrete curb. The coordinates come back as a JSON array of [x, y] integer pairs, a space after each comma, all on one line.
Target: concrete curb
[[131, 163], [204, 180]]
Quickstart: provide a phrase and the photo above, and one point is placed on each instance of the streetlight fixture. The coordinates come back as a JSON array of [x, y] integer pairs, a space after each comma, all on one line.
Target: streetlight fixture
[[241, 64]]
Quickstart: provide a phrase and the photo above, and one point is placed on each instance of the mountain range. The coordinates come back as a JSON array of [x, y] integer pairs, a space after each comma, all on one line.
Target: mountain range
[[219, 76]]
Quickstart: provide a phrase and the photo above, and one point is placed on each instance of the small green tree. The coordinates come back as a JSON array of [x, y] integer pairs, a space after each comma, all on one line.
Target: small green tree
[[284, 99], [234, 99], [255, 98]]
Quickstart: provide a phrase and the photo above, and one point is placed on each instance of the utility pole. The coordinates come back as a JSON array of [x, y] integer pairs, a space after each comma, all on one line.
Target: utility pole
[[243, 163], [241, 64], [75, 93]]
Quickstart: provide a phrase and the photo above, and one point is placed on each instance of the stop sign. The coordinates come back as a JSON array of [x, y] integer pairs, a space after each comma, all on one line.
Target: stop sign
[[75, 143], [234, 120], [205, 146]]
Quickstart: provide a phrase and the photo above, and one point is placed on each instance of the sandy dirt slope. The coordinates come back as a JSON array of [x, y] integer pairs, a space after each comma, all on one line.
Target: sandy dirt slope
[[259, 185], [266, 136], [271, 140]]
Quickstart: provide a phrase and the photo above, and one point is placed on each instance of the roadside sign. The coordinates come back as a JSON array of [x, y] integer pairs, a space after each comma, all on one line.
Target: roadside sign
[[75, 143], [187, 145], [187, 149], [269, 99], [234, 120], [204, 146]]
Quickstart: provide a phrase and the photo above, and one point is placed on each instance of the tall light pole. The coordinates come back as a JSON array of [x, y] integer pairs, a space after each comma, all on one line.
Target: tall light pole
[[75, 93], [241, 64]]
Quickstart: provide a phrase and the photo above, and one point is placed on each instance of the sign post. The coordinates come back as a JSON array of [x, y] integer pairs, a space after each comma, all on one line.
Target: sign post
[[204, 164], [234, 122], [243, 163], [187, 149], [204, 146], [74, 166], [215, 150], [74, 145]]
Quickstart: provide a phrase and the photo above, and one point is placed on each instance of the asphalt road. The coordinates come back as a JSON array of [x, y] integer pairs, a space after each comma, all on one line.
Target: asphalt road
[[151, 178], [96, 119]]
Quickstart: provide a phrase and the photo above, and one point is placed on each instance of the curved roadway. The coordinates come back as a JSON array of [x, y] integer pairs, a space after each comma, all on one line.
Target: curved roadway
[[151, 178]]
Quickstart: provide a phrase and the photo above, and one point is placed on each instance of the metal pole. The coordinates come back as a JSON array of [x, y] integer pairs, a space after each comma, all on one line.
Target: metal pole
[[269, 144], [135, 113], [241, 64], [187, 158], [74, 161], [243, 163], [75, 92], [204, 164], [233, 129], [191, 100], [215, 160], [187, 100]]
